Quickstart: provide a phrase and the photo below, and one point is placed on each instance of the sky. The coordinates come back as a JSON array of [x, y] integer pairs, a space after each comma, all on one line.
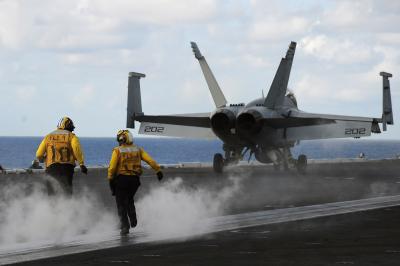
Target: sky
[[72, 58]]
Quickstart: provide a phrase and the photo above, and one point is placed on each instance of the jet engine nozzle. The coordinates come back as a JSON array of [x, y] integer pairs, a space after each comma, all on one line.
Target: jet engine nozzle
[[223, 120], [249, 122]]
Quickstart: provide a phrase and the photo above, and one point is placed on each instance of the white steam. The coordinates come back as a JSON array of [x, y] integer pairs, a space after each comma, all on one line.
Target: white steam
[[174, 210], [29, 215], [171, 209]]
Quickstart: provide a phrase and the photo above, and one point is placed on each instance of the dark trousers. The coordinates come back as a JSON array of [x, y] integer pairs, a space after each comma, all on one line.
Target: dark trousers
[[125, 189], [63, 174]]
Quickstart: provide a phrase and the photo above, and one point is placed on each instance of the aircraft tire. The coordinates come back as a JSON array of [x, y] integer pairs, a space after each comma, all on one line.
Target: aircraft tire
[[218, 163], [301, 164]]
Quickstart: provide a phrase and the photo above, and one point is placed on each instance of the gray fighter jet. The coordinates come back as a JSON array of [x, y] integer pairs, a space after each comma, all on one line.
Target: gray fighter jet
[[267, 127]]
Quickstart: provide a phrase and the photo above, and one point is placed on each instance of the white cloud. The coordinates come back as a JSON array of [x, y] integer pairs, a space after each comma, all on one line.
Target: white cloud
[[314, 89], [348, 14], [342, 51], [11, 31], [278, 28], [361, 16], [26, 93], [255, 61], [84, 96], [90, 24], [55, 45], [389, 38], [158, 12], [193, 93]]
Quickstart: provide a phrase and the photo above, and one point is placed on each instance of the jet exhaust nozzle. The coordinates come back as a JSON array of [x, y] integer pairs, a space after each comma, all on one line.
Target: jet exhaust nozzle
[[249, 122], [223, 121]]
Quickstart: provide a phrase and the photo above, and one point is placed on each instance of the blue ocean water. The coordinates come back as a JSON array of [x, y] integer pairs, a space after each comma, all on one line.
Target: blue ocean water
[[18, 152]]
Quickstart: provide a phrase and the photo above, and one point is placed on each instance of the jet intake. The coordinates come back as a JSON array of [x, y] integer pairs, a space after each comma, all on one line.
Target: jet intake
[[249, 122], [223, 121]]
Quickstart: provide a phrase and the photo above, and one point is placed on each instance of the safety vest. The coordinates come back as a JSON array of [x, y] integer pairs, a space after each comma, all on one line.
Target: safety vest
[[129, 161], [58, 148]]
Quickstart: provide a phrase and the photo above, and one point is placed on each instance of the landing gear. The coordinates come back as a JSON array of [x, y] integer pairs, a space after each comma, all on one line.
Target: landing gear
[[218, 163], [232, 157], [301, 164]]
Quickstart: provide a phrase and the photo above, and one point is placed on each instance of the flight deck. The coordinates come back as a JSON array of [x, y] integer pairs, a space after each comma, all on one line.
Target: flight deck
[[339, 212]]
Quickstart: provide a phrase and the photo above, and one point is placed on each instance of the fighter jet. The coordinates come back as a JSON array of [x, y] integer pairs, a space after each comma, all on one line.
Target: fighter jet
[[267, 127]]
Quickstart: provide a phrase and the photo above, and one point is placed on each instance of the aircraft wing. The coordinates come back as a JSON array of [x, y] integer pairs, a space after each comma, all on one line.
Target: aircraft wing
[[195, 125], [330, 126]]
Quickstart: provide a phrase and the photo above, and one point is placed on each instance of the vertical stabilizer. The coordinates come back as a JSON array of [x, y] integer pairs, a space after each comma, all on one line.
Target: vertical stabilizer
[[218, 96], [134, 106], [387, 112], [279, 85]]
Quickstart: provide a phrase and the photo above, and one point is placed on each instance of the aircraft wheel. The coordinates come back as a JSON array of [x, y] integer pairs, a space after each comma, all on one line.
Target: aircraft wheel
[[218, 163], [302, 164]]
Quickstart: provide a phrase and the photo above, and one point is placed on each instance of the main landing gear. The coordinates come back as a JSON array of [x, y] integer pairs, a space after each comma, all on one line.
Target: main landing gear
[[284, 160], [218, 163], [301, 164], [232, 156]]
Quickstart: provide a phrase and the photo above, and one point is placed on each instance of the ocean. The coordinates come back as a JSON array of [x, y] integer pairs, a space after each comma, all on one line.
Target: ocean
[[18, 152]]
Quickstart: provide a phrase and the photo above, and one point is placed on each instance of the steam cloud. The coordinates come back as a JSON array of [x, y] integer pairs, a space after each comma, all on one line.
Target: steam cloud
[[175, 210], [29, 215], [31, 218]]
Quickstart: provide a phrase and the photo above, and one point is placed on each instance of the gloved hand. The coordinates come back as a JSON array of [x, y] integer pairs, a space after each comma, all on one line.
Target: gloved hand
[[35, 165], [112, 186], [83, 169], [160, 175]]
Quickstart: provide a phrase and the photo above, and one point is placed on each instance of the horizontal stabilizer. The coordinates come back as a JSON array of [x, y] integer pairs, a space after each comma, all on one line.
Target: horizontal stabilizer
[[331, 126], [192, 121], [169, 130], [277, 91], [296, 122]]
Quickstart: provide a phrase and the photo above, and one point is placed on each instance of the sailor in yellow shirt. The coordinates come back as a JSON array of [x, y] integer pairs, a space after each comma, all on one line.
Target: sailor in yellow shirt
[[59, 150], [123, 174]]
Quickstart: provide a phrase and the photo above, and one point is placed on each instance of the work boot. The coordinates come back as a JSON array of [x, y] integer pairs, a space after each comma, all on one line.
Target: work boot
[[124, 231], [133, 223]]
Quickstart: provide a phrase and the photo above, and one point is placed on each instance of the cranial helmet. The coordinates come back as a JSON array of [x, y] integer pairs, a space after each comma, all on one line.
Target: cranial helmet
[[66, 123], [124, 137]]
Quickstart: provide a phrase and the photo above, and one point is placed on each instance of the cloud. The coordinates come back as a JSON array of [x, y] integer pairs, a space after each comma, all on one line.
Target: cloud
[[341, 51], [11, 32], [348, 14], [278, 28], [84, 96], [364, 16], [193, 93], [389, 38], [54, 45], [158, 12], [26, 93], [90, 24], [316, 89]]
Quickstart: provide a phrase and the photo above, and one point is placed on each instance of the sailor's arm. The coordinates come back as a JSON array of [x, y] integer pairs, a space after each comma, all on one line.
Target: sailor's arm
[[112, 168], [150, 161], [40, 153], [77, 150]]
